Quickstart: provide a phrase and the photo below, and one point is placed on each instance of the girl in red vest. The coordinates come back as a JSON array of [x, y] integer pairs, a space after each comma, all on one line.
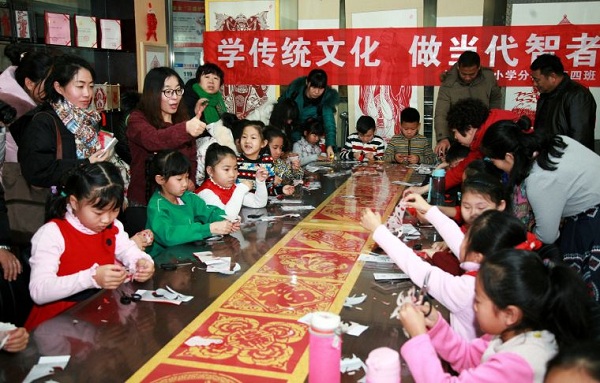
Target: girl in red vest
[[75, 254]]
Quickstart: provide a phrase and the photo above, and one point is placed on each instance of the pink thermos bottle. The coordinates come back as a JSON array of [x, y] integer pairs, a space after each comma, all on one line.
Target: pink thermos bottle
[[325, 348]]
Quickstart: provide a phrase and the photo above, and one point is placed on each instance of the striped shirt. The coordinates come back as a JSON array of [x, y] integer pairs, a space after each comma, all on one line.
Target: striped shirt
[[354, 144], [418, 145]]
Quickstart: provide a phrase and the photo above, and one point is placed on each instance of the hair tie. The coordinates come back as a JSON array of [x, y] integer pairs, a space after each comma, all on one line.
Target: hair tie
[[53, 190], [529, 131], [531, 243], [22, 55], [548, 263]]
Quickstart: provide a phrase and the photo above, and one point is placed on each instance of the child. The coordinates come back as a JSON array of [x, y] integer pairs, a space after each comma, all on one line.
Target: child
[[220, 132], [285, 172], [363, 145], [252, 142], [526, 308], [220, 189], [576, 363], [73, 255], [491, 231], [17, 340], [409, 147], [175, 214], [309, 148], [455, 154], [480, 193]]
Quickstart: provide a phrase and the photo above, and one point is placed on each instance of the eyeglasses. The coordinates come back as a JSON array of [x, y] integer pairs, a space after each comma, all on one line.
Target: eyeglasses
[[170, 92]]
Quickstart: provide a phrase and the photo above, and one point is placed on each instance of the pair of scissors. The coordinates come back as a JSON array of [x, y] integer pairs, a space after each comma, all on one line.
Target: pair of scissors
[[127, 299], [171, 266], [423, 295]]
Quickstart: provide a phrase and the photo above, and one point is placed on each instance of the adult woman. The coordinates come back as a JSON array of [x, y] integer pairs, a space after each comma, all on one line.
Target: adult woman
[[468, 119], [22, 87], [161, 122], [314, 100], [206, 87], [65, 115], [561, 180]]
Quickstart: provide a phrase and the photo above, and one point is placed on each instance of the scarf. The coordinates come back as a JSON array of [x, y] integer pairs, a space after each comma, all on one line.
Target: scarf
[[82, 123], [216, 104]]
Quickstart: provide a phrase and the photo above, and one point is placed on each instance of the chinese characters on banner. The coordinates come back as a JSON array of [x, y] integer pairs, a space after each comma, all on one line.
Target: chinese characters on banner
[[400, 56]]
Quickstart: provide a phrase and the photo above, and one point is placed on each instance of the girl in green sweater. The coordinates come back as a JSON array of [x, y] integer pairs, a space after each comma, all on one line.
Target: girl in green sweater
[[175, 214]]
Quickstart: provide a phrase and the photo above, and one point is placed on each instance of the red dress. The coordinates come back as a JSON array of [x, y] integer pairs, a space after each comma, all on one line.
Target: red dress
[[82, 251]]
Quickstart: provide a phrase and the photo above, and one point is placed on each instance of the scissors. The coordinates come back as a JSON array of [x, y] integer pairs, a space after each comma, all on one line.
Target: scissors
[[127, 299], [171, 266], [423, 294]]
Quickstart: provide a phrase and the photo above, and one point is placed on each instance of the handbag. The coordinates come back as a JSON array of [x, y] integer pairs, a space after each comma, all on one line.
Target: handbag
[[26, 204]]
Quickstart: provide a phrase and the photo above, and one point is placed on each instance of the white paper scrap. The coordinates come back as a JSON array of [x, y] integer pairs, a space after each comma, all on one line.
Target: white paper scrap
[[355, 300], [354, 329], [45, 366], [375, 258], [352, 364], [199, 341], [297, 207], [223, 268]]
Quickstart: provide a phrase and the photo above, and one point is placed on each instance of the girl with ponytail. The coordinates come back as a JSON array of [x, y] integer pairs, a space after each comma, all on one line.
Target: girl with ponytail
[[527, 308], [561, 180]]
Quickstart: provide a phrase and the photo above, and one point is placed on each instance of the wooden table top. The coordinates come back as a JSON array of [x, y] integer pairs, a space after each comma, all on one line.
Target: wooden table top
[[109, 341]]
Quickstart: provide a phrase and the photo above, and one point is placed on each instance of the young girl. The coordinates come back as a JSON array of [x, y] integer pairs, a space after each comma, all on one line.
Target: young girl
[[480, 193], [251, 159], [175, 214], [526, 308], [220, 188], [491, 231], [309, 147], [285, 172], [73, 255]]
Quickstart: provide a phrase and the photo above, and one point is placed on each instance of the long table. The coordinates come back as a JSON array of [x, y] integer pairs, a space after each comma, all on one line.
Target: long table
[[289, 267]]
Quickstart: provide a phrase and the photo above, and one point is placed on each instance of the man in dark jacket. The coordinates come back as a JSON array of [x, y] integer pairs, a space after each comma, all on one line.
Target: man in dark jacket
[[565, 106]]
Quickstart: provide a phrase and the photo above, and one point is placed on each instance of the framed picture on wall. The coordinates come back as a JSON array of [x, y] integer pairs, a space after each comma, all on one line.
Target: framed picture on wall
[[153, 56], [5, 23], [23, 24]]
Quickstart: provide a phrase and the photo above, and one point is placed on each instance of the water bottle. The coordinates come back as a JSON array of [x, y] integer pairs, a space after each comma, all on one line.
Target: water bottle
[[437, 187], [383, 366], [324, 348]]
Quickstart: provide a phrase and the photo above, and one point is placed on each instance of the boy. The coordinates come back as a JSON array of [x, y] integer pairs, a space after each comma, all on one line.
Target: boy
[[454, 156], [409, 147], [363, 145]]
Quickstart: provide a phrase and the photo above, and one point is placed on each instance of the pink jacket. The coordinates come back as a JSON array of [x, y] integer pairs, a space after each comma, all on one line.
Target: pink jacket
[[455, 293], [47, 245], [13, 94], [484, 360]]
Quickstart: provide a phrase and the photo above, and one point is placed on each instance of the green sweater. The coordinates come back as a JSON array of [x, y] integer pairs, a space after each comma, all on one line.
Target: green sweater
[[176, 224]]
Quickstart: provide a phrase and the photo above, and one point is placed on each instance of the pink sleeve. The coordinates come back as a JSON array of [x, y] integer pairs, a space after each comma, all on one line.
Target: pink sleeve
[[448, 229], [455, 293], [421, 356], [126, 251], [45, 285]]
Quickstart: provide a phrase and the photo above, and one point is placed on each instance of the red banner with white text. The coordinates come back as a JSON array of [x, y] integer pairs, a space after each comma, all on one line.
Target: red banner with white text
[[400, 56]]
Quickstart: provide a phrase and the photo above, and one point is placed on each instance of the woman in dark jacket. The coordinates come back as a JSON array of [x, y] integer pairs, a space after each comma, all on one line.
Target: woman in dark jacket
[[315, 99], [62, 133]]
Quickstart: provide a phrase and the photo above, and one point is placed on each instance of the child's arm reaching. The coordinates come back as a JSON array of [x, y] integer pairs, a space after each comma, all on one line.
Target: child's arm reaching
[[448, 229], [446, 288]]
